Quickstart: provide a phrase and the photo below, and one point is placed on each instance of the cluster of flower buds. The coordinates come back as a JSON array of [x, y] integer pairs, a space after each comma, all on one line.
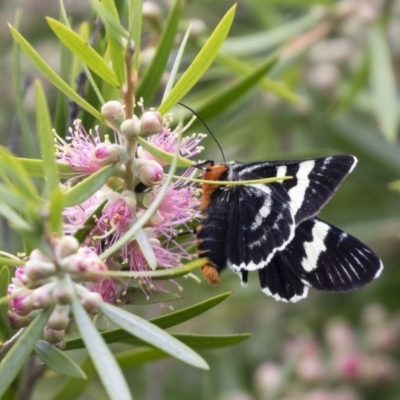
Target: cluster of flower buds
[[357, 357], [45, 281]]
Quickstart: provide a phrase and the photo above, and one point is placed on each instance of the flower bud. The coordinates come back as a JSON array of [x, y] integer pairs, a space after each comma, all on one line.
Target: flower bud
[[90, 301], [131, 127], [36, 269], [66, 246], [17, 321], [42, 297], [106, 153], [113, 111], [151, 123], [93, 265], [53, 335], [22, 304], [58, 320], [150, 172], [38, 255], [63, 294]]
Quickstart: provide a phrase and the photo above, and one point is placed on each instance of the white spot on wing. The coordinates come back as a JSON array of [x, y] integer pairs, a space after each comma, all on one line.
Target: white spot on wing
[[265, 209], [316, 247], [281, 171], [293, 299], [298, 192]]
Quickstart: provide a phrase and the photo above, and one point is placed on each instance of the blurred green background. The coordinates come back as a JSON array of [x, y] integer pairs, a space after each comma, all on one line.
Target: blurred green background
[[342, 59]]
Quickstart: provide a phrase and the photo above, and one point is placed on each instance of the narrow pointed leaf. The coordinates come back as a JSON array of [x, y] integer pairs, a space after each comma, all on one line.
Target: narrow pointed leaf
[[135, 29], [15, 176], [164, 322], [217, 103], [152, 335], [177, 63], [163, 155], [5, 328], [148, 84], [83, 51], [270, 85], [19, 353], [115, 46], [19, 92], [46, 140], [146, 248], [84, 189], [106, 366], [136, 296], [141, 355], [386, 105], [73, 388], [200, 64], [57, 360], [36, 168], [55, 79], [109, 21], [56, 208]]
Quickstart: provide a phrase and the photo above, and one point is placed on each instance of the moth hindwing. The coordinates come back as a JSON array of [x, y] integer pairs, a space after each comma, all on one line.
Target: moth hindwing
[[271, 228]]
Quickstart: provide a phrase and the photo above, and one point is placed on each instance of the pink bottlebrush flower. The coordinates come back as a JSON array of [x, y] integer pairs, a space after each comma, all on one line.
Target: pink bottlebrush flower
[[107, 288], [176, 208], [77, 149], [117, 216], [167, 140], [77, 215], [85, 152]]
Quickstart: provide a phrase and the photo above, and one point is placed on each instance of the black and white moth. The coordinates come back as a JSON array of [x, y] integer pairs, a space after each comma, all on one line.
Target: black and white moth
[[272, 228]]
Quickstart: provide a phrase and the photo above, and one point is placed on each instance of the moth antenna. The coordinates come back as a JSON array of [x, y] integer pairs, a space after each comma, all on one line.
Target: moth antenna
[[208, 129]]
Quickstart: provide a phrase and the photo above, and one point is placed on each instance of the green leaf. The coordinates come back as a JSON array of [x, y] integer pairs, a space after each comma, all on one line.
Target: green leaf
[[16, 358], [110, 22], [260, 43], [15, 176], [10, 261], [73, 388], [83, 51], [135, 357], [15, 200], [46, 140], [163, 155], [36, 168], [270, 85], [200, 64], [383, 84], [148, 84], [13, 218], [218, 102], [135, 29], [152, 335], [84, 189], [27, 136], [55, 79], [5, 328], [56, 208], [57, 360], [177, 62], [115, 46], [136, 296], [105, 364], [164, 322]]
